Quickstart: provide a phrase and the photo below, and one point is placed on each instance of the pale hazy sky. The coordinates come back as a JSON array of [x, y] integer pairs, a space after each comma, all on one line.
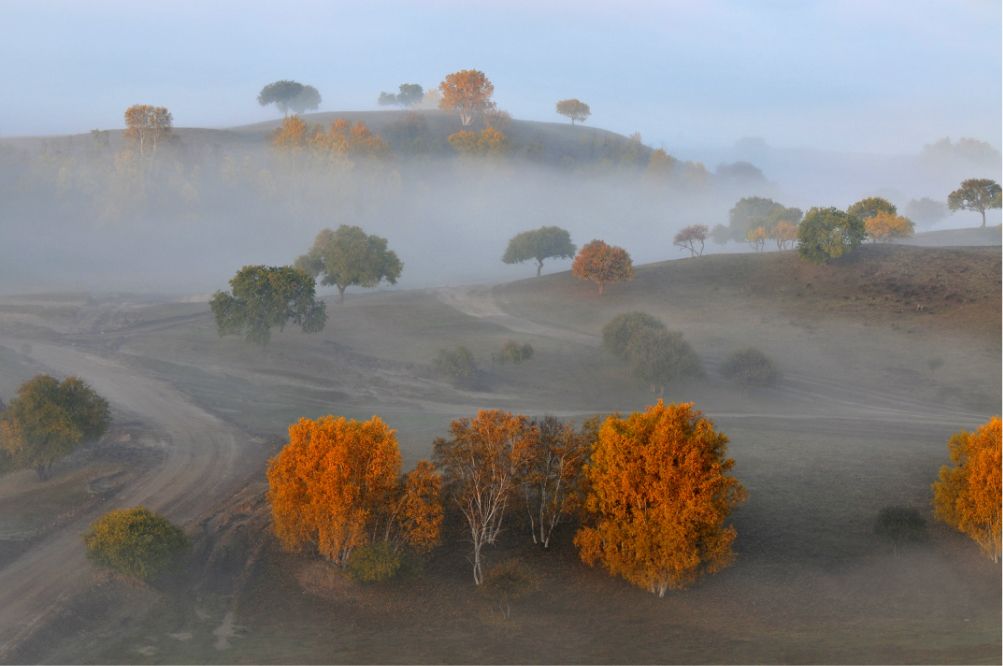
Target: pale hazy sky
[[874, 75]]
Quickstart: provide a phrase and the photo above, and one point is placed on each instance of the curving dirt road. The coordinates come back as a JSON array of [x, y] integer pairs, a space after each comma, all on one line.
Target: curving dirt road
[[200, 466]]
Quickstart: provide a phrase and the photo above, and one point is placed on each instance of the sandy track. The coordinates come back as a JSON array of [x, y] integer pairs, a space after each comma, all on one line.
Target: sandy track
[[200, 466], [831, 399]]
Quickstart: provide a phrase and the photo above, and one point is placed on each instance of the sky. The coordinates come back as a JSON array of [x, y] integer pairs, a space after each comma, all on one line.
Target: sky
[[873, 76]]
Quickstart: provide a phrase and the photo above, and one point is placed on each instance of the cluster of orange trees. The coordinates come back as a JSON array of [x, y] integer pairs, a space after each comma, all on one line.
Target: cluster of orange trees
[[651, 492]]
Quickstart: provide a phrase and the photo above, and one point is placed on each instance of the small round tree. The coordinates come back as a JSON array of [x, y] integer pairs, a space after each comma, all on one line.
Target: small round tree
[[692, 238], [888, 226], [750, 367], [349, 257], [574, 109], [870, 207], [659, 357], [289, 95], [976, 194], [616, 334], [539, 244], [828, 233], [135, 542], [602, 264]]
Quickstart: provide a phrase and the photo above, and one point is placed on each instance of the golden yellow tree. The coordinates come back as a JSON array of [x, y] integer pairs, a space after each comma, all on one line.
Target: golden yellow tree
[[480, 463], [967, 496], [291, 135], [601, 263], [468, 92], [885, 226], [489, 141], [146, 126], [659, 494], [336, 485], [784, 233], [757, 237]]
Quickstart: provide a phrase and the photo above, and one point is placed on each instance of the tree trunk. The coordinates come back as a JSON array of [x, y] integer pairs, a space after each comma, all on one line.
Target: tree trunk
[[42, 471], [539, 267], [602, 286], [983, 218], [341, 293]]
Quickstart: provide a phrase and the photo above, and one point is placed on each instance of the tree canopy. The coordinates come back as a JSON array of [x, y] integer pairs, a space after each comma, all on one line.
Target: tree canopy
[[871, 206], [574, 109], [539, 244], [602, 264], [659, 495], [967, 494], [135, 542], [828, 233], [289, 96], [146, 126], [752, 212], [263, 297], [349, 257], [48, 419], [692, 238], [976, 194], [467, 92], [884, 226], [409, 95]]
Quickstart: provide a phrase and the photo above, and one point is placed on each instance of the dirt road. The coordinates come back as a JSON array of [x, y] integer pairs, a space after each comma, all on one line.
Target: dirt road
[[201, 465]]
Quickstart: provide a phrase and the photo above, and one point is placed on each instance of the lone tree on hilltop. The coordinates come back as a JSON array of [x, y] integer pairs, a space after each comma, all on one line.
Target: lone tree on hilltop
[[692, 238], [409, 95], [349, 257], [975, 194], [871, 206], [266, 296], [289, 96], [828, 233], [574, 109], [48, 419], [659, 495], [967, 495], [539, 244], [602, 264], [146, 126], [135, 542], [467, 92]]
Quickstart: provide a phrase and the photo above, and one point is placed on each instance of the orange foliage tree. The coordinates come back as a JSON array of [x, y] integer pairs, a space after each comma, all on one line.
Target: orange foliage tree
[[784, 233], [659, 494], [480, 463], [292, 134], [886, 226], [757, 238], [468, 92], [967, 496], [550, 478], [336, 485], [489, 141], [146, 125], [601, 263], [692, 238]]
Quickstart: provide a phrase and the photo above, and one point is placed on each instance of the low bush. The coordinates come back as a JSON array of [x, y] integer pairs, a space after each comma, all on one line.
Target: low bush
[[374, 563], [135, 542], [750, 367], [457, 364], [617, 333], [659, 356], [900, 524], [513, 352], [507, 581]]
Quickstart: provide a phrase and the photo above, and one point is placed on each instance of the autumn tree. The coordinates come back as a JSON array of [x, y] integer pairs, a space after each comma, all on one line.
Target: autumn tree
[[539, 244], [48, 419], [349, 257], [871, 206], [757, 238], [659, 495], [550, 478], [692, 238], [574, 109], [977, 195], [289, 96], [489, 141], [263, 297], [967, 494], [602, 264], [336, 486], [784, 233], [408, 95], [828, 233], [887, 226], [135, 542], [751, 212], [343, 138], [468, 93], [480, 463], [291, 135], [146, 126]]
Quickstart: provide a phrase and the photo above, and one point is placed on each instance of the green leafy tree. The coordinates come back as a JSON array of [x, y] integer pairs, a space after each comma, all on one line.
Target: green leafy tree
[[659, 357], [135, 542], [458, 364], [410, 94], [828, 233], [617, 333], [752, 212], [289, 96], [975, 194], [350, 257], [539, 244], [871, 206], [750, 367], [264, 297], [48, 419]]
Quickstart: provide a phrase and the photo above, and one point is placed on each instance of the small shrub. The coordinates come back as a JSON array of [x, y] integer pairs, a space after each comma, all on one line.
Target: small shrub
[[659, 356], [507, 581], [900, 524], [513, 352], [751, 367], [617, 333], [374, 563], [457, 364], [135, 542]]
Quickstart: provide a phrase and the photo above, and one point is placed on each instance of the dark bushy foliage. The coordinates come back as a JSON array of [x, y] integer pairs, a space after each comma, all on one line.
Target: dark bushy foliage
[[751, 367], [900, 524], [513, 352], [458, 364], [617, 333], [135, 542], [374, 563], [659, 357]]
